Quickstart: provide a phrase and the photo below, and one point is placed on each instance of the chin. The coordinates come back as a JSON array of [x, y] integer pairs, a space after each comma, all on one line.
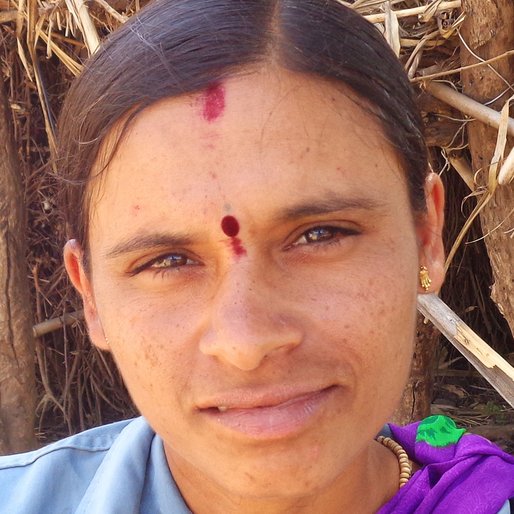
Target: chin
[[288, 471]]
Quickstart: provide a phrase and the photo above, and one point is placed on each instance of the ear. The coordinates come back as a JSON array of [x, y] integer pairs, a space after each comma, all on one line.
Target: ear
[[429, 231], [74, 264]]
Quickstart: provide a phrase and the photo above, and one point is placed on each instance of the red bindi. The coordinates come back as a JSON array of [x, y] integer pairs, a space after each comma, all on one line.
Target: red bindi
[[230, 226], [213, 102]]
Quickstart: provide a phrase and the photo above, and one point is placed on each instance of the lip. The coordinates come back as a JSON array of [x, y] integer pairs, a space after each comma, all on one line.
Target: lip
[[269, 416]]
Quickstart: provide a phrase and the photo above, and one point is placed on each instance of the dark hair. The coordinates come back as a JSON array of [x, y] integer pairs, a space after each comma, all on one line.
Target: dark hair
[[174, 47]]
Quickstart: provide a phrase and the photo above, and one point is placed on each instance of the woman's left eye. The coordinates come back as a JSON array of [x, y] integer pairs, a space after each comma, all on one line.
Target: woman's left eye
[[324, 234]]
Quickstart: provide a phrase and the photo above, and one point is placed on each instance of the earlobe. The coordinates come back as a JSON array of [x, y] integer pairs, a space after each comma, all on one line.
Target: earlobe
[[74, 264], [430, 228]]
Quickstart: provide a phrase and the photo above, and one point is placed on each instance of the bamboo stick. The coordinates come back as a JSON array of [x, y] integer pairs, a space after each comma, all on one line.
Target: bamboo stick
[[491, 365], [414, 11], [51, 325], [468, 106]]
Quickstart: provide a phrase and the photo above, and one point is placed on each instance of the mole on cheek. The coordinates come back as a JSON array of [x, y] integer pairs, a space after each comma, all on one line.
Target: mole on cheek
[[213, 102]]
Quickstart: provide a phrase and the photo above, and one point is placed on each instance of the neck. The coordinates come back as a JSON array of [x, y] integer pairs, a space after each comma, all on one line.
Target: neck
[[363, 487]]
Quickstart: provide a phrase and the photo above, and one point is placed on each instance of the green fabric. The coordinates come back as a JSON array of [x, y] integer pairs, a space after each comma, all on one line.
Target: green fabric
[[439, 431]]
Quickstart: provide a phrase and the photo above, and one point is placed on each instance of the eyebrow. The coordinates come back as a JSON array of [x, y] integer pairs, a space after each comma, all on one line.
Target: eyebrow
[[310, 207], [327, 205], [146, 241]]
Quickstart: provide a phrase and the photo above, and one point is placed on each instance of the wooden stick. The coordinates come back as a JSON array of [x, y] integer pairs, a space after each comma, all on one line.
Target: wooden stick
[[461, 166], [414, 11], [446, 73], [491, 365], [51, 325], [8, 16], [468, 106]]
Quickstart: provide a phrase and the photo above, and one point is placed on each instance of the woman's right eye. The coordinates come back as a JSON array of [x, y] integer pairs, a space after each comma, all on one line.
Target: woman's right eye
[[165, 263], [173, 260]]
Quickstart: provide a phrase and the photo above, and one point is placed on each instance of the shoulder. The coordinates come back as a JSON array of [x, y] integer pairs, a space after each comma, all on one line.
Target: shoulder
[[58, 475], [91, 441]]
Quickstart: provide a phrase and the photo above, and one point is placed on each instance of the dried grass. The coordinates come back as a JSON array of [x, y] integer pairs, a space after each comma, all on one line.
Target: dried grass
[[43, 44]]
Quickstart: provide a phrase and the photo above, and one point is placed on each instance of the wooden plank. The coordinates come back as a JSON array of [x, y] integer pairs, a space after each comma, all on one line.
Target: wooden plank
[[490, 364]]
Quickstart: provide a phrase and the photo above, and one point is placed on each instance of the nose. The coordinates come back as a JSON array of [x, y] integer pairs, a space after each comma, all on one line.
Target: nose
[[249, 321]]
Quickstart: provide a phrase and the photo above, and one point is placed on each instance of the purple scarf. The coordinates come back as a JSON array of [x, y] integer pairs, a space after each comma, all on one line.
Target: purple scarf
[[460, 473]]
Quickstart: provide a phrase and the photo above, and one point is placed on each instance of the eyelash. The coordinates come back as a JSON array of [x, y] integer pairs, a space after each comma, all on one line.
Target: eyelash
[[327, 234], [154, 266]]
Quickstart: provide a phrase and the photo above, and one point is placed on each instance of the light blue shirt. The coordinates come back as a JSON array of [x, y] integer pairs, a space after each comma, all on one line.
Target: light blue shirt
[[114, 469]]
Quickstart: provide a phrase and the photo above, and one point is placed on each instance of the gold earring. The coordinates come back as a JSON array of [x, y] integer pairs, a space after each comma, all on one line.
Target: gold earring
[[424, 278]]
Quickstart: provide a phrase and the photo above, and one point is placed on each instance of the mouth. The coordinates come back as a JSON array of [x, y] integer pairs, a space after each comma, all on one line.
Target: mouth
[[274, 417]]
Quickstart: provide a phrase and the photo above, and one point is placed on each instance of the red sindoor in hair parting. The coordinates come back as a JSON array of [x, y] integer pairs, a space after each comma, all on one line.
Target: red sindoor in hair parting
[[213, 102]]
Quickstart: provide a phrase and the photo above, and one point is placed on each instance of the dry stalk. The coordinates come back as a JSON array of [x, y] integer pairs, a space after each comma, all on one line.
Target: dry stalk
[[447, 73], [416, 11], [367, 5], [113, 12], [506, 173], [392, 29], [49, 395], [73, 66], [415, 56], [492, 181], [506, 123], [82, 18]]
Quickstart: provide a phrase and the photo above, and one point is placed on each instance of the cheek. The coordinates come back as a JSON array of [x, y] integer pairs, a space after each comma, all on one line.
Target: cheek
[[374, 293], [150, 351], [366, 318]]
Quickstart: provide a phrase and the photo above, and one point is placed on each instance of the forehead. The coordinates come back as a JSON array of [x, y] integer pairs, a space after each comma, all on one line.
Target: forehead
[[267, 131]]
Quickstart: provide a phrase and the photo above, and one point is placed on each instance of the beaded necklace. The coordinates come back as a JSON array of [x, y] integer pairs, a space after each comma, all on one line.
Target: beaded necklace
[[401, 455]]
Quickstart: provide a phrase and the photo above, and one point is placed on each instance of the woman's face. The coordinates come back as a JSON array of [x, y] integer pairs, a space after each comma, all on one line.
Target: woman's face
[[254, 273]]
